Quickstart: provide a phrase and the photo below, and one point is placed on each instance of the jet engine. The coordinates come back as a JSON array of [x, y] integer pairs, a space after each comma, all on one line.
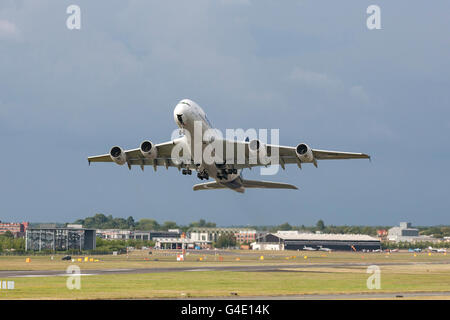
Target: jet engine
[[148, 150], [304, 153], [118, 155]]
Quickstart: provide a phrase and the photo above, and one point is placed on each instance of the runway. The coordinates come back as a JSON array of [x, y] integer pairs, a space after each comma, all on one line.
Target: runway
[[242, 268]]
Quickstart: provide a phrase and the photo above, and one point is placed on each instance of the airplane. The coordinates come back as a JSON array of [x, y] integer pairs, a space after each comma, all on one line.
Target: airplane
[[308, 248], [441, 250], [324, 249], [227, 172]]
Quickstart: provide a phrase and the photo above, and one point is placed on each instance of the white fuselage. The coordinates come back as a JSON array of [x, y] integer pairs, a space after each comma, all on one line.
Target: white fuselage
[[188, 114]]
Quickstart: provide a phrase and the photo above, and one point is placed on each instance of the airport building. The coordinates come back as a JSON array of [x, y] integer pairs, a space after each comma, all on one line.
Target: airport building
[[114, 234], [60, 239], [406, 233], [122, 234], [210, 235], [18, 229], [294, 240], [152, 235]]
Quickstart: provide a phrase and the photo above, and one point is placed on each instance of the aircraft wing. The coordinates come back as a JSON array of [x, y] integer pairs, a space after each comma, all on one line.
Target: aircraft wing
[[336, 155], [284, 154], [135, 157]]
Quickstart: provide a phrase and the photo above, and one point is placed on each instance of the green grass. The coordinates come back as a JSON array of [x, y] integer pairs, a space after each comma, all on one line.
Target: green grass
[[432, 274], [218, 283]]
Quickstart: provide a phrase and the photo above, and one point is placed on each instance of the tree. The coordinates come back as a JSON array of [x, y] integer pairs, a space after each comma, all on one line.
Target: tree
[[147, 224], [320, 225], [202, 223], [284, 227], [169, 225], [225, 241], [130, 222], [8, 234]]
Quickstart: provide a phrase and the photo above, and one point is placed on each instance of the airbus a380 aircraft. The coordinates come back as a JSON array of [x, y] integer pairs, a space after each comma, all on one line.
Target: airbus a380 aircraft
[[226, 173]]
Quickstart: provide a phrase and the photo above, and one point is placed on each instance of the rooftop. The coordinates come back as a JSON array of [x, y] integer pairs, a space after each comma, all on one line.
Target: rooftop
[[323, 236]]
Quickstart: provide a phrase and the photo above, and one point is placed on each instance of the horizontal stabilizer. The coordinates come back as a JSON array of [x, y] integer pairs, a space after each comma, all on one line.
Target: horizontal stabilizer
[[246, 184], [208, 186], [266, 185]]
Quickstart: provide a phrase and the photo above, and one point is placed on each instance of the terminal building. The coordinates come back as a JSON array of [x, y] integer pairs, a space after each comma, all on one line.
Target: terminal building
[[293, 240], [60, 239]]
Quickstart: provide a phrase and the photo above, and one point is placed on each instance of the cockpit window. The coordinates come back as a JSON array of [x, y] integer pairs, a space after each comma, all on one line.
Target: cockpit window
[[207, 120]]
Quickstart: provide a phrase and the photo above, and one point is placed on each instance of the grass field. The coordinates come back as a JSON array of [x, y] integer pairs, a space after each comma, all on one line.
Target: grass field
[[398, 274]]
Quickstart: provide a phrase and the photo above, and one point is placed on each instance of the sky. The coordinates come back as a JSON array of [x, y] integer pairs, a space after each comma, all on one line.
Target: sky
[[311, 69]]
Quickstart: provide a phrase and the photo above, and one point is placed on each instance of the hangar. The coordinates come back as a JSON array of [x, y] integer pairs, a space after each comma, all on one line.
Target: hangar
[[60, 239], [294, 240]]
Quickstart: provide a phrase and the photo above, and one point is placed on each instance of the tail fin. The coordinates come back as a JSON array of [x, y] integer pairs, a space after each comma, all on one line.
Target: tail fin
[[266, 185]]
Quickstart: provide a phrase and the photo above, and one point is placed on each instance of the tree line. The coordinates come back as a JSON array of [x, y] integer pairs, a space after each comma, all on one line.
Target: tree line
[[8, 243], [101, 221]]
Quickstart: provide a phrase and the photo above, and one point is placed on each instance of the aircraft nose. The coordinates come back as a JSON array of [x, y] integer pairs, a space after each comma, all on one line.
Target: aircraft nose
[[178, 113]]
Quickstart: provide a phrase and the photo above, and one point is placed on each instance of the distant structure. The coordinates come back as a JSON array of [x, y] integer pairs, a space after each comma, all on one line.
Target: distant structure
[[382, 234], [123, 234], [294, 240], [60, 239], [18, 229], [406, 233], [74, 226], [210, 235], [204, 237]]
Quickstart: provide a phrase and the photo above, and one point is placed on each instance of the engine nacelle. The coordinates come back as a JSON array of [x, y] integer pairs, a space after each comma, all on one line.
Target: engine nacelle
[[118, 155], [304, 153], [148, 150]]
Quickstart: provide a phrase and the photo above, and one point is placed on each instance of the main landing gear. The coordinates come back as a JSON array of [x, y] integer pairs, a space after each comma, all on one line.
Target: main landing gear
[[203, 175], [223, 174], [186, 171]]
